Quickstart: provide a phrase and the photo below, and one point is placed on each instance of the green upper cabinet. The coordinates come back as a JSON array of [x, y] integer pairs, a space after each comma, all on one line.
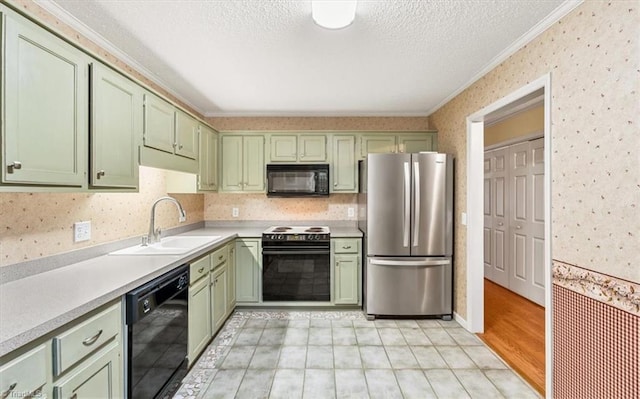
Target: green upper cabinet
[[417, 142], [297, 148], [344, 165], [243, 166], [44, 124], [186, 143], [284, 148], [116, 129], [170, 137], [313, 148], [208, 180], [377, 143], [159, 123], [388, 142]]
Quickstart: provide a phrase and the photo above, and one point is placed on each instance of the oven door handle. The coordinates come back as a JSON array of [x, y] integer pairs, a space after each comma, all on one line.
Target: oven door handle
[[297, 252]]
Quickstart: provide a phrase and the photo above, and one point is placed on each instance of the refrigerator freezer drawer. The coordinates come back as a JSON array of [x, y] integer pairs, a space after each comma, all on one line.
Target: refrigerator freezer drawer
[[409, 287]]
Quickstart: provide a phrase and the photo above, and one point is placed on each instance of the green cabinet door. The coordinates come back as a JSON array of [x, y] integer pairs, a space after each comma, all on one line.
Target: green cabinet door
[[248, 270], [97, 377], [344, 165], [199, 330], [283, 148], [159, 123], [253, 163], [416, 142], [116, 129], [186, 135], [376, 143], [312, 148], [346, 279], [208, 158], [231, 278], [44, 126], [232, 170], [218, 297]]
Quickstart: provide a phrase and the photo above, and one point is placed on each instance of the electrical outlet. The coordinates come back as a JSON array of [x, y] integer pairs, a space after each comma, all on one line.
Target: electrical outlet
[[82, 231], [235, 212], [351, 212]]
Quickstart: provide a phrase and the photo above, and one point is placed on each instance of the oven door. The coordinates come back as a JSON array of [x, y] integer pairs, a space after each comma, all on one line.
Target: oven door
[[295, 272]]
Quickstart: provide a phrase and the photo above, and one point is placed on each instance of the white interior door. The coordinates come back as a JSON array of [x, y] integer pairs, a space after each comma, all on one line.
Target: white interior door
[[514, 218], [495, 214], [526, 221]]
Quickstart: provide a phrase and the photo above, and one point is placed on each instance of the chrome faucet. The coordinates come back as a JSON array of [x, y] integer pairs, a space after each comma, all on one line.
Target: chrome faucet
[[154, 234]]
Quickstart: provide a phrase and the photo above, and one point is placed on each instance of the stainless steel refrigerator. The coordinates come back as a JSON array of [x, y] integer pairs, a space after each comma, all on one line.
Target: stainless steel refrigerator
[[406, 214]]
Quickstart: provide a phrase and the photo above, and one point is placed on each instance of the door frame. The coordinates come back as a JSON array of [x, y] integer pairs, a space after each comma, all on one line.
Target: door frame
[[475, 220]]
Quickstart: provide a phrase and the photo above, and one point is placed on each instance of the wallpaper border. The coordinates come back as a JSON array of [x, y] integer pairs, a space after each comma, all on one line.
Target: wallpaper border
[[621, 294]]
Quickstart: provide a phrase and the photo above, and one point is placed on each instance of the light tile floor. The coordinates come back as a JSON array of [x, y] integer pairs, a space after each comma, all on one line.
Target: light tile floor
[[332, 354]]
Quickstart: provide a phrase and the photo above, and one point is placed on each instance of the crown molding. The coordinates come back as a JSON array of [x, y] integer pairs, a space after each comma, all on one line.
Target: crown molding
[[64, 16], [557, 14]]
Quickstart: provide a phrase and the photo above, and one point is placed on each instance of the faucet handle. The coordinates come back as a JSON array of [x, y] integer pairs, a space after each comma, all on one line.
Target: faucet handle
[[145, 241], [157, 234]]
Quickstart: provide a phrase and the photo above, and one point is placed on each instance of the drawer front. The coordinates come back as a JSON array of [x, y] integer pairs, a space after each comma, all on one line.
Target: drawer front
[[85, 338], [346, 246], [24, 375], [218, 257], [199, 269]]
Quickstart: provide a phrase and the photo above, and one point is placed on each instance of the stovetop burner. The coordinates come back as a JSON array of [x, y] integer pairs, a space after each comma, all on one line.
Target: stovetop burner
[[296, 233]]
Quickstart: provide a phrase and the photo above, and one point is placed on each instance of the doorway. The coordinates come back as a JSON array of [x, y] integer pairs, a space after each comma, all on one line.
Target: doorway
[[475, 211]]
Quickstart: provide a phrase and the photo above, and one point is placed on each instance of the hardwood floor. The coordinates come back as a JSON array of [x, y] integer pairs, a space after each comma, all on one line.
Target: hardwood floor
[[514, 329]]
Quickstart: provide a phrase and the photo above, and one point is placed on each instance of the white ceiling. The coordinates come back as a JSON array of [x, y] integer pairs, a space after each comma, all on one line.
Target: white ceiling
[[268, 58]]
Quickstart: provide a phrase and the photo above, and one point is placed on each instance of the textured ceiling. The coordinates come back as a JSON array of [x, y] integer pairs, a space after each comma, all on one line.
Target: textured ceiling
[[267, 57]]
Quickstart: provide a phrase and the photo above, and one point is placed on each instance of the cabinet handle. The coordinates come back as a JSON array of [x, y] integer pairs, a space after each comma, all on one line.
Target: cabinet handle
[[92, 340], [100, 174], [8, 391], [74, 396], [346, 247], [220, 257], [15, 165], [201, 270]]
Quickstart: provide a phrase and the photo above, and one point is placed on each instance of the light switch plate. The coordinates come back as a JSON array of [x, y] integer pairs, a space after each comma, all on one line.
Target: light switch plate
[[464, 219], [351, 212], [235, 212], [82, 231]]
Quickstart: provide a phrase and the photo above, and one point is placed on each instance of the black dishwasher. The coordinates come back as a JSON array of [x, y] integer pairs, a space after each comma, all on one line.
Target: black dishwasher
[[157, 320]]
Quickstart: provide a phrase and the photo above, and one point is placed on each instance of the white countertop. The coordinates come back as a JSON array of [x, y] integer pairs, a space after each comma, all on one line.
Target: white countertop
[[36, 305]]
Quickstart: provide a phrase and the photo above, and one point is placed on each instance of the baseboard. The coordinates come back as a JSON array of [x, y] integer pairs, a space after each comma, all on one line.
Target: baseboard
[[460, 321]]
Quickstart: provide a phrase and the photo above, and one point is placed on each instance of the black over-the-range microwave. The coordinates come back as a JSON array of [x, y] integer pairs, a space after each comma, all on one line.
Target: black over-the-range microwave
[[297, 180]]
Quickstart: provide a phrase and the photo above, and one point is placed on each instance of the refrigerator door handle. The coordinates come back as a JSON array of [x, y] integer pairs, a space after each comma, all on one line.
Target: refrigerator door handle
[[407, 204], [416, 215], [410, 263]]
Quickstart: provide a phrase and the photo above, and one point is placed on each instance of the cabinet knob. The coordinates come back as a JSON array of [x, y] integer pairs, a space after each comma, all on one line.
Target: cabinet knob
[[518, 227], [175, 144], [335, 184], [100, 174], [180, 146], [500, 224], [201, 270], [15, 165]]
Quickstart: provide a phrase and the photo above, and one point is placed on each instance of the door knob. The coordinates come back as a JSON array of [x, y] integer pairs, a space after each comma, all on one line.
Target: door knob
[[518, 227], [500, 224]]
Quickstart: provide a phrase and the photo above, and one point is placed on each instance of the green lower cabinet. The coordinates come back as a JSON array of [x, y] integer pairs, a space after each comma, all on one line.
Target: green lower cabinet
[[346, 278], [97, 377], [248, 271], [199, 318], [218, 297]]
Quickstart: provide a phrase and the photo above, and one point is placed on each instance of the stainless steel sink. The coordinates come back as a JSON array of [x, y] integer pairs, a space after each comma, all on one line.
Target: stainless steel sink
[[174, 245]]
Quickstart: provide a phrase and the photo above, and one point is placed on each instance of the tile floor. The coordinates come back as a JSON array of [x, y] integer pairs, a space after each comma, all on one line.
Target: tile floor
[[332, 354]]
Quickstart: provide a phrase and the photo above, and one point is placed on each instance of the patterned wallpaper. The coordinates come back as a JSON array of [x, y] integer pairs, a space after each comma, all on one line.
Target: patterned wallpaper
[[593, 56], [34, 225], [259, 207]]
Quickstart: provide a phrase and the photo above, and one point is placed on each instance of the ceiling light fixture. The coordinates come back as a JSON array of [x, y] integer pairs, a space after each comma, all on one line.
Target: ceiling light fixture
[[333, 14]]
